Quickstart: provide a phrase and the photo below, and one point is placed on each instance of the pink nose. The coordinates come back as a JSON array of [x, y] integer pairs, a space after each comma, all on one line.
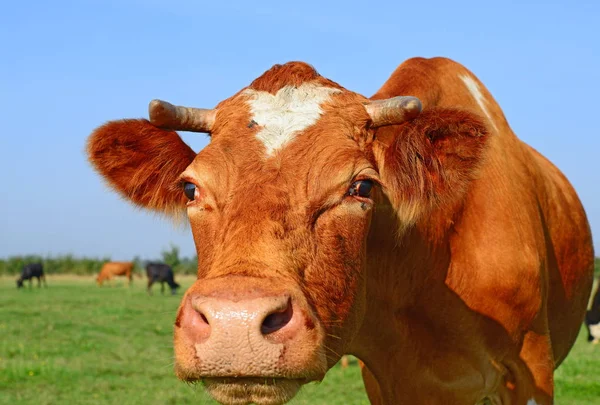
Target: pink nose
[[270, 319], [233, 328]]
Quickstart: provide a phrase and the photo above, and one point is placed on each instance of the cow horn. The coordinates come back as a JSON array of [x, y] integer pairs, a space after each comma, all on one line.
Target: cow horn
[[395, 110], [169, 116]]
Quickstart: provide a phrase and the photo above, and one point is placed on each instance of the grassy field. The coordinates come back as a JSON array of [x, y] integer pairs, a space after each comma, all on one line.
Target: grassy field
[[75, 343]]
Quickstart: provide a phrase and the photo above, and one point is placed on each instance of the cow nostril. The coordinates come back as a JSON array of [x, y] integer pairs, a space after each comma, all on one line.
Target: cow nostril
[[200, 310], [277, 320], [203, 318]]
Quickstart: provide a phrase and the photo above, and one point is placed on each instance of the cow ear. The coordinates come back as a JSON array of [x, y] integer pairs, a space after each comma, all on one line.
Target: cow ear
[[431, 161], [142, 163]]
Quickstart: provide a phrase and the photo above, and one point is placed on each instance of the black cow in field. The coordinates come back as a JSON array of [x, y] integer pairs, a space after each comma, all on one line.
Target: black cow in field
[[592, 319], [29, 272], [160, 272]]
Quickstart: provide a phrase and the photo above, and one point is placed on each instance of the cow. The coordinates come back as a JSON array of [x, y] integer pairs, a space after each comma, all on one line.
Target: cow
[[161, 272], [411, 229], [592, 319], [29, 272], [111, 269]]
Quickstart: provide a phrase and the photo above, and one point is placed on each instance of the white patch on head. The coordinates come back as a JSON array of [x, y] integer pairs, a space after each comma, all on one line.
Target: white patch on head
[[477, 95], [286, 113], [532, 402], [595, 332]]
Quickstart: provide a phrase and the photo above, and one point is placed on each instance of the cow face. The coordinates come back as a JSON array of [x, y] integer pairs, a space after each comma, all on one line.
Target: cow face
[[592, 323], [594, 333], [280, 205], [174, 288]]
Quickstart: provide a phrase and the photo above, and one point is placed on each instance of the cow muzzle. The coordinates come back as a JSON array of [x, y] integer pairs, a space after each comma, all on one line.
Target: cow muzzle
[[249, 340]]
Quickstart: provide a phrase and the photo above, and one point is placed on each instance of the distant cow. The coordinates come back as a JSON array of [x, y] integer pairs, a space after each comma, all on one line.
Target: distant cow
[[29, 272], [160, 272], [592, 319], [111, 269]]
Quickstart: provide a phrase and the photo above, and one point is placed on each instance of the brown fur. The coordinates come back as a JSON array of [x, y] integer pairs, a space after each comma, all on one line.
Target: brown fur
[[465, 277], [154, 160], [290, 74]]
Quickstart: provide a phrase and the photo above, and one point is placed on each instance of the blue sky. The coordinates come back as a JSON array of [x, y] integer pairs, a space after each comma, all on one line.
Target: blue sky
[[68, 66]]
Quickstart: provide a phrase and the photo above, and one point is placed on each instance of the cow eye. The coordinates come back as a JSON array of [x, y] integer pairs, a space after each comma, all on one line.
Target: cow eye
[[361, 188], [189, 189]]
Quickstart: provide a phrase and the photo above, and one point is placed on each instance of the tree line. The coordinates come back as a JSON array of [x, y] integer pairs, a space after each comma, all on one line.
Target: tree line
[[70, 264]]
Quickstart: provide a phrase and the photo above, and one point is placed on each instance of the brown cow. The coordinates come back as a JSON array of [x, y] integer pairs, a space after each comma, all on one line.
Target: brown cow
[[450, 257], [111, 269]]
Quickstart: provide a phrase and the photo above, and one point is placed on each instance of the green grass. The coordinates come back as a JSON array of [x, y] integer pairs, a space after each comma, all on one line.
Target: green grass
[[75, 343]]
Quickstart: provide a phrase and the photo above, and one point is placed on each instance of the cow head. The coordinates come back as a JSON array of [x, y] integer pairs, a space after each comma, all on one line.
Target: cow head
[[100, 278], [174, 288], [280, 205], [592, 323]]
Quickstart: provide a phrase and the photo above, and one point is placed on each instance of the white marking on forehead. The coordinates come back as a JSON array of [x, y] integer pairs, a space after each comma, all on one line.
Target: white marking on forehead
[[595, 331], [532, 402], [286, 113], [477, 95]]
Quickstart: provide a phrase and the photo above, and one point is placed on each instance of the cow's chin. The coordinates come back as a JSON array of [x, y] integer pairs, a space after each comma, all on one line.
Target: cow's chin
[[252, 390]]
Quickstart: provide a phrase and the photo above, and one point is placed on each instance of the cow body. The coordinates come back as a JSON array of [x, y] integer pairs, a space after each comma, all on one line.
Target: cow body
[[447, 255], [29, 272], [160, 272], [511, 274], [112, 269], [592, 319]]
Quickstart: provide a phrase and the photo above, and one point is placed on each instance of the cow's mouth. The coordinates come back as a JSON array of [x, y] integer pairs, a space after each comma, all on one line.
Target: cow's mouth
[[252, 390]]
